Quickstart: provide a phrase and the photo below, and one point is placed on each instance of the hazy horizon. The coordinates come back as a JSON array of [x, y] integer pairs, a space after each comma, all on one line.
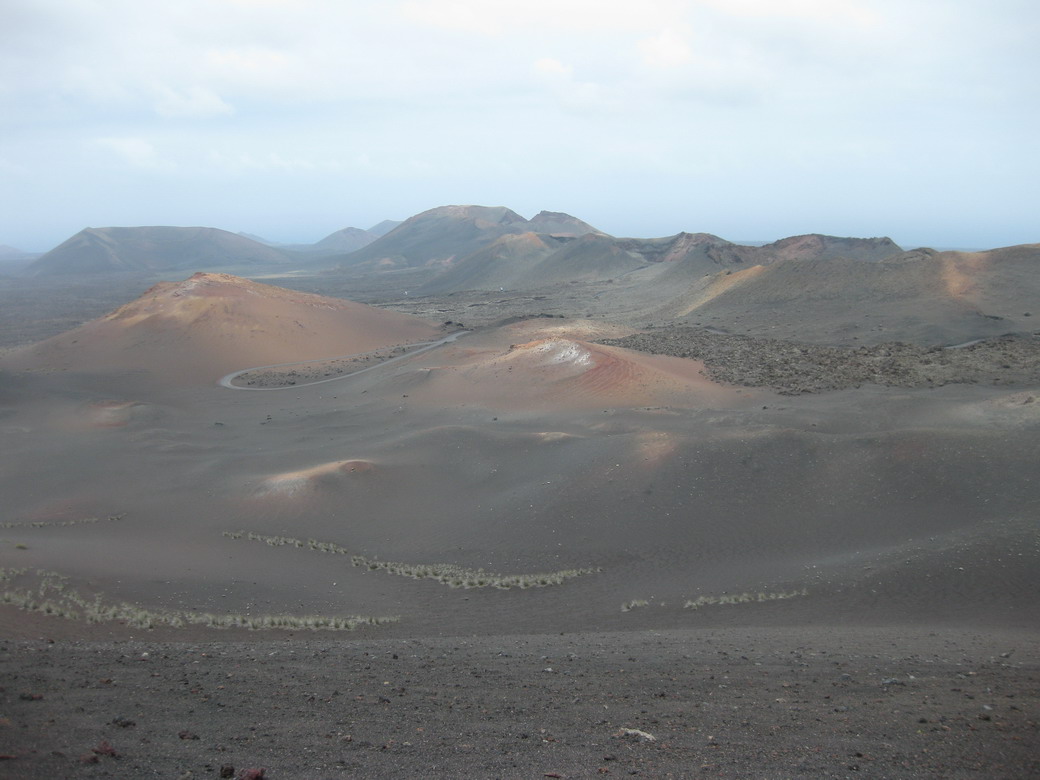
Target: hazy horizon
[[303, 240], [748, 119]]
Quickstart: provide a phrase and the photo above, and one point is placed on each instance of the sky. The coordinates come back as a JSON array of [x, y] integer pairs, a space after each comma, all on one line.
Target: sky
[[749, 119]]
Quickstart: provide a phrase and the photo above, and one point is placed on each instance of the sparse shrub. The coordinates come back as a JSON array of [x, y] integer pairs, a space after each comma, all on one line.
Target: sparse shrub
[[743, 598], [628, 606], [61, 523], [52, 596], [446, 573]]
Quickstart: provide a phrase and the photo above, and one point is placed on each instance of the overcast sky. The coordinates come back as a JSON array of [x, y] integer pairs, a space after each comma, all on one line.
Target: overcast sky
[[751, 119]]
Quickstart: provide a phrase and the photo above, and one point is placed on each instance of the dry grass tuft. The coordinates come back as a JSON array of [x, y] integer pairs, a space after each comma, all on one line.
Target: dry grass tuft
[[446, 573], [49, 593], [743, 598]]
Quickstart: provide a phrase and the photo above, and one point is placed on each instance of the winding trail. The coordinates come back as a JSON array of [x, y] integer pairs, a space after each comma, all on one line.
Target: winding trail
[[423, 346]]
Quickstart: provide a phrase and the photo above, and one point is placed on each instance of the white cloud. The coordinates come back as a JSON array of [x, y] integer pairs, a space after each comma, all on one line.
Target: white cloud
[[266, 161], [136, 152], [189, 101], [499, 17], [458, 16], [553, 68], [570, 93], [437, 95], [250, 66], [666, 50], [856, 12]]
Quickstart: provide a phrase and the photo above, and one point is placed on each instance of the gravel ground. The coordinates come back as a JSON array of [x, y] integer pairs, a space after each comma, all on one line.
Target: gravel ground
[[766, 703], [793, 368], [313, 371]]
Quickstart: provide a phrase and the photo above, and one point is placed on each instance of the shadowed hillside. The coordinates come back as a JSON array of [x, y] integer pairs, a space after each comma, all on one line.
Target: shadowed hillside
[[597, 257], [922, 296], [443, 235], [153, 249]]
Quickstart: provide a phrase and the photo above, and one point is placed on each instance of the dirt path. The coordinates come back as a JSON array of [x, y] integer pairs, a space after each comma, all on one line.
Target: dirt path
[[277, 380]]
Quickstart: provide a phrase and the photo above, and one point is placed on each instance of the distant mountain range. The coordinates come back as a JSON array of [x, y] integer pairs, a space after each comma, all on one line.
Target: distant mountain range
[[841, 286], [348, 239], [461, 247]]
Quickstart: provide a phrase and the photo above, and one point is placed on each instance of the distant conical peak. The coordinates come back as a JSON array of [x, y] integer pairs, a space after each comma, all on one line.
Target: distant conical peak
[[494, 214]]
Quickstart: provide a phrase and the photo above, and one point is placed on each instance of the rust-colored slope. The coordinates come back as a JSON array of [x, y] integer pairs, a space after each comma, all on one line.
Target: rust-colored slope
[[556, 371], [211, 324]]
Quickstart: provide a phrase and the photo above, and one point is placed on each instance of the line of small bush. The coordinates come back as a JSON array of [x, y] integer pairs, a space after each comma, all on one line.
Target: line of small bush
[[743, 598], [50, 594], [62, 523], [446, 573]]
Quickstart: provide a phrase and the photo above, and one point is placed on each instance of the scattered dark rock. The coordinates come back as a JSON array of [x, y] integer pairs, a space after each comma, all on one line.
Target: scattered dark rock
[[793, 368], [105, 748]]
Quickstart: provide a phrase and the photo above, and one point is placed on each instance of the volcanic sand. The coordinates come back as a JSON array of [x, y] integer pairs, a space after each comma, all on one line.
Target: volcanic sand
[[516, 450]]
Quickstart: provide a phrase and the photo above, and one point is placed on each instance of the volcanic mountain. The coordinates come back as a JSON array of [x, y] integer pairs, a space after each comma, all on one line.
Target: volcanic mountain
[[210, 324], [384, 227], [11, 254], [153, 249], [440, 236], [348, 239], [920, 296], [533, 260]]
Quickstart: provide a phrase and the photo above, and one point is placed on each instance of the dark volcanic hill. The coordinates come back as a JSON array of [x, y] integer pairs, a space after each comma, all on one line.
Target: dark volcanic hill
[[501, 264], [559, 224], [826, 247], [921, 296], [10, 253], [532, 261], [442, 236], [583, 254], [349, 239], [384, 227], [152, 249]]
